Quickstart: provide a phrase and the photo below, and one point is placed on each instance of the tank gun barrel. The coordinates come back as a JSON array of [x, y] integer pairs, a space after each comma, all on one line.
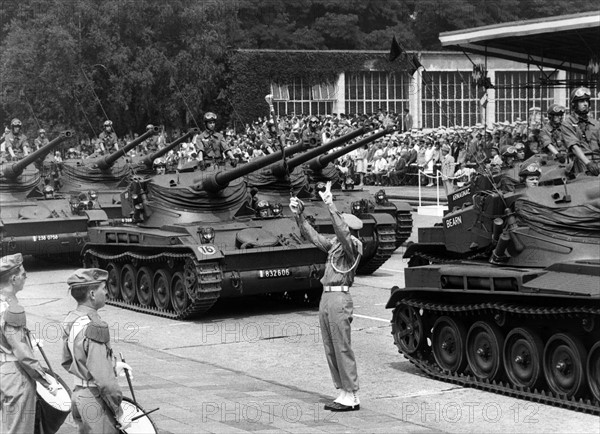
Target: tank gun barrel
[[280, 170], [149, 160], [319, 162], [220, 180], [14, 170], [107, 162]]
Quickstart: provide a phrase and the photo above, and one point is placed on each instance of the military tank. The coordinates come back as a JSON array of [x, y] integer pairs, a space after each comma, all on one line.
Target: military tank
[[197, 237], [100, 180], [276, 182], [362, 203], [34, 218], [504, 295]]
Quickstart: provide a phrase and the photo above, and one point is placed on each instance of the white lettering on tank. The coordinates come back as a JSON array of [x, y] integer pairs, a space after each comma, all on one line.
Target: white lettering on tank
[[453, 221]]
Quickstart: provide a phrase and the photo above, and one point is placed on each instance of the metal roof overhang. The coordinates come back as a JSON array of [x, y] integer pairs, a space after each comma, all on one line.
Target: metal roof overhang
[[565, 42]]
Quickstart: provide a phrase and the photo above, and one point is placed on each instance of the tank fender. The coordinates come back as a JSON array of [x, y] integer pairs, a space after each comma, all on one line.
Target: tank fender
[[207, 252], [395, 296], [96, 215], [383, 219], [402, 206]]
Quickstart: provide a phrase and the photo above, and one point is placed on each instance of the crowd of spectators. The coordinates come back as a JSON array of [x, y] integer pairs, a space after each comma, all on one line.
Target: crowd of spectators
[[398, 158]]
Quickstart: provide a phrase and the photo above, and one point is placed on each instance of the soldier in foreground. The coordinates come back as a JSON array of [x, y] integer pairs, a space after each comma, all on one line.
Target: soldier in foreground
[[336, 307], [19, 369], [88, 356]]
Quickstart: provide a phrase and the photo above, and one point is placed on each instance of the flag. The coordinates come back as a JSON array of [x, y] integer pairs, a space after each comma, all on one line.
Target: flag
[[395, 50], [416, 64]]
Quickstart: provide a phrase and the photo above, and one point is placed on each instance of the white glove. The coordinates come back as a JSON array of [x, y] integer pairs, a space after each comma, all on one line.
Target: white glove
[[53, 386], [120, 369], [296, 205], [36, 342], [326, 195]]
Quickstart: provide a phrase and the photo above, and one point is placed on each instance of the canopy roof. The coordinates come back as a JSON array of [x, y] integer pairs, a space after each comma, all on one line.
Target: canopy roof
[[564, 42]]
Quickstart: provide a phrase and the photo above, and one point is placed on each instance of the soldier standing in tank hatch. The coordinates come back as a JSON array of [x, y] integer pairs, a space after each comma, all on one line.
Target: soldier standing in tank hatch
[[15, 141], [88, 356], [581, 132], [19, 369], [336, 307], [312, 134], [210, 144], [108, 137], [41, 140], [551, 137]]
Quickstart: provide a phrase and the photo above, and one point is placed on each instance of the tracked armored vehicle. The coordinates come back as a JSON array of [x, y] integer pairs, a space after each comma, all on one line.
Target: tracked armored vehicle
[[379, 218], [197, 237], [34, 218], [504, 295], [101, 180]]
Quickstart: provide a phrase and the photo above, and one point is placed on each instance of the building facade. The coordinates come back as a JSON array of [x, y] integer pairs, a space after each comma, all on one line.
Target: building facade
[[441, 93]]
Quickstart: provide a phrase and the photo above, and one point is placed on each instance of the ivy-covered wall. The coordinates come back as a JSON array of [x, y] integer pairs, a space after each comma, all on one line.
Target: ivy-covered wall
[[252, 71]]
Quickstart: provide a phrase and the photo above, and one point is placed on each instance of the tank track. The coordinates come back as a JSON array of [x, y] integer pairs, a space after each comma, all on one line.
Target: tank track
[[404, 227], [425, 361], [202, 286], [386, 245]]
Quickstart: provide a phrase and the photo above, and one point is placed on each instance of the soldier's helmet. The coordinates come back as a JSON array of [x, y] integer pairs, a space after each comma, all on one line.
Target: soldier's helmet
[[263, 209], [556, 110], [532, 169], [15, 123], [580, 94], [314, 120], [42, 131], [210, 116], [108, 123]]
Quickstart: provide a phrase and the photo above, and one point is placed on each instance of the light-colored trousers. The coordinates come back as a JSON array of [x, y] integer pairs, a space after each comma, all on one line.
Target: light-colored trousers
[[17, 394]]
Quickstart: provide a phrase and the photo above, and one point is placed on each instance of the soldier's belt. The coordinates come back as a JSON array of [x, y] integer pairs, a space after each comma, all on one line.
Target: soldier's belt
[[83, 383], [336, 288], [8, 357]]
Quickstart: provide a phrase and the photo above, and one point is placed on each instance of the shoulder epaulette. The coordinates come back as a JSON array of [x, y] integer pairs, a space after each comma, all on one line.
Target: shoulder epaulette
[[97, 330], [15, 316]]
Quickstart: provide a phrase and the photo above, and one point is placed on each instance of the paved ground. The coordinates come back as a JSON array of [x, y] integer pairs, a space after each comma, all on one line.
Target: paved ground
[[257, 365]]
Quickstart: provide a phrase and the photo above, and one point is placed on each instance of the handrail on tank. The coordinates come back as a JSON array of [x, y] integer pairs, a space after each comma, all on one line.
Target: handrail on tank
[[14, 170], [318, 163], [149, 160], [108, 161], [220, 180], [280, 170]]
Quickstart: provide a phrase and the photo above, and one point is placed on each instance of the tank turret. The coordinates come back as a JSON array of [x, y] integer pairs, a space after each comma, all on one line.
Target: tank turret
[[106, 162], [14, 170]]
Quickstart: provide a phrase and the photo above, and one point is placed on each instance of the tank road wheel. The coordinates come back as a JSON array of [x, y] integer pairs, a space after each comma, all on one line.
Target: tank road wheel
[[128, 283], [522, 357], [485, 342], [161, 289], [408, 330], [593, 370], [448, 343], [179, 296], [144, 286], [564, 360], [113, 285]]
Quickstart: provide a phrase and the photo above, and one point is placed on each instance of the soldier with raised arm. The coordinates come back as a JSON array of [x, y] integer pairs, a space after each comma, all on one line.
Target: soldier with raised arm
[[336, 307]]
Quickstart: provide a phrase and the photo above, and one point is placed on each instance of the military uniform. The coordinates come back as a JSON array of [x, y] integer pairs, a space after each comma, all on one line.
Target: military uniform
[[584, 132], [16, 144], [19, 369], [108, 139], [551, 135], [212, 145], [88, 357], [336, 306], [40, 142]]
